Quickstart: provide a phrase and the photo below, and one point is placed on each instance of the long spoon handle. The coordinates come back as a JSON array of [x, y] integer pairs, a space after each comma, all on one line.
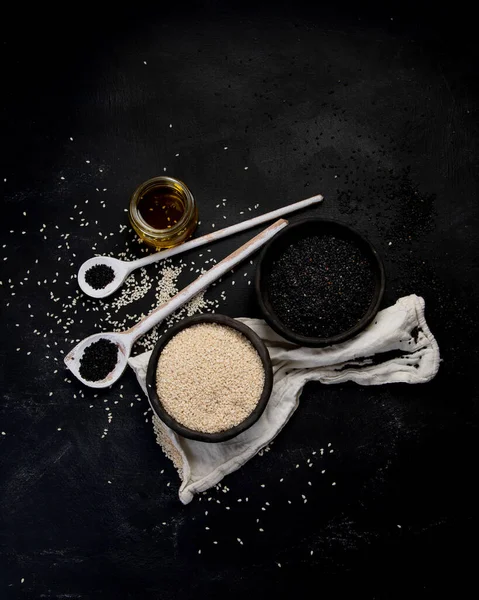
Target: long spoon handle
[[163, 311], [222, 233]]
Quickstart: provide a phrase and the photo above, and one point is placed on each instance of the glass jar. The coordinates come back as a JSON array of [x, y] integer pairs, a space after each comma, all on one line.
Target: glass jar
[[149, 206]]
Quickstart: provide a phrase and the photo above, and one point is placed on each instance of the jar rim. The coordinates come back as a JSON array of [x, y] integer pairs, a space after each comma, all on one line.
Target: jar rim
[[162, 181]]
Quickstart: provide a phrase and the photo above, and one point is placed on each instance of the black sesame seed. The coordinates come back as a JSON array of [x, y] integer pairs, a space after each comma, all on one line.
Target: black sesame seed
[[321, 286], [99, 276], [98, 360]]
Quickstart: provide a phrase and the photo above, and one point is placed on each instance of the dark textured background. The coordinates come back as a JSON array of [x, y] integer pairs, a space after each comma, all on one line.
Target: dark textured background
[[374, 107]]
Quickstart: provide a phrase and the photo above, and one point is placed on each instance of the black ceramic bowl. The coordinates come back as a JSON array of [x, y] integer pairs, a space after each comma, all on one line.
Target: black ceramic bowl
[[299, 230], [221, 436]]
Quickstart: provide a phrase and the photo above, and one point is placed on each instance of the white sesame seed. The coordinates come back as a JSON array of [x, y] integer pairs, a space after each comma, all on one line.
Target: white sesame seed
[[212, 351]]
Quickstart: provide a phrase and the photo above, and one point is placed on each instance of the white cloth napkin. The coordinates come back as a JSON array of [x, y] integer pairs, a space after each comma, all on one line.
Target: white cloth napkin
[[397, 347]]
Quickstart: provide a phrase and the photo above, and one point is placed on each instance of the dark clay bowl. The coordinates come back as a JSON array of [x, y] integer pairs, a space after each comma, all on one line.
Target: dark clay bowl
[[221, 436], [299, 230]]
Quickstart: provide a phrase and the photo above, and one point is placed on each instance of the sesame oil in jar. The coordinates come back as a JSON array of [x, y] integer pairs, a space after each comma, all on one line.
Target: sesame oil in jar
[[161, 208], [163, 212]]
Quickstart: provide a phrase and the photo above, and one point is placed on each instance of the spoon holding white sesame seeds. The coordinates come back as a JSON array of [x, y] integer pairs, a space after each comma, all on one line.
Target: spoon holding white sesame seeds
[[100, 276], [95, 344]]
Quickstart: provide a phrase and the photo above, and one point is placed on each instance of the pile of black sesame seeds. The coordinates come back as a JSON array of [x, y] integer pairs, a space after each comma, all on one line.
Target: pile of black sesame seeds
[[321, 286], [98, 360], [99, 276]]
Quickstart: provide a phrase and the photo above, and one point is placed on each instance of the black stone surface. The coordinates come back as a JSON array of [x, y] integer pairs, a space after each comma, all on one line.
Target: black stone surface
[[376, 108]]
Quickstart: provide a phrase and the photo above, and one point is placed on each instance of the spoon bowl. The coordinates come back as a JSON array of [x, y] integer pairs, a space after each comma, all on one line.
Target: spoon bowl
[[120, 268], [123, 343]]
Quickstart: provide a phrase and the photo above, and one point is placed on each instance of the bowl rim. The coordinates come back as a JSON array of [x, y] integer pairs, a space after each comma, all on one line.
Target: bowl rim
[[318, 342], [192, 434]]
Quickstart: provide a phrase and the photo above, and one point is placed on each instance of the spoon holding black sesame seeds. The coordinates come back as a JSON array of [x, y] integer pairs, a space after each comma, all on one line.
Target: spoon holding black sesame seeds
[[101, 276], [100, 359]]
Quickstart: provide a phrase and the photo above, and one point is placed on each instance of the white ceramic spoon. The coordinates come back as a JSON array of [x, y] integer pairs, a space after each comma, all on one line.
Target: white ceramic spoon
[[126, 339], [123, 268]]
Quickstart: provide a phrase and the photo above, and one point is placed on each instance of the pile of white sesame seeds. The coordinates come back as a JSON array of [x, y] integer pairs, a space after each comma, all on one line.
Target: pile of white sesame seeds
[[209, 377], [169, 449]]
